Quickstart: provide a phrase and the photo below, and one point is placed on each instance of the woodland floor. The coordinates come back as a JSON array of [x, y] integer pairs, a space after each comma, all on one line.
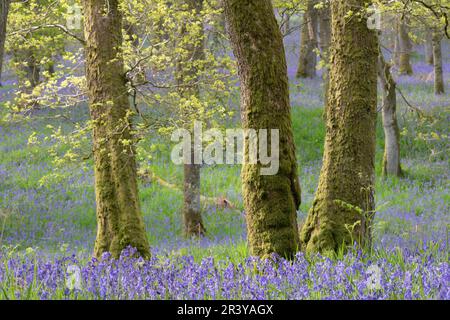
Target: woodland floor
[[46, 226]]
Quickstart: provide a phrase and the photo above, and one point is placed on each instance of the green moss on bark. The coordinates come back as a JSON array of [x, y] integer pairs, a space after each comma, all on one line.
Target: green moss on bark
[[270, 201], [346, 180], [119, 219]]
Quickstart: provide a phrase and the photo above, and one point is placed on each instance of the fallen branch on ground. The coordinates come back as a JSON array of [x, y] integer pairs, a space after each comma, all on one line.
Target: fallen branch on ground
[[221, 202]]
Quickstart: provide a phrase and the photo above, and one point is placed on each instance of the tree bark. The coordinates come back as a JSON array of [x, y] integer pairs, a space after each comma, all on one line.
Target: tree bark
[[437, 63], [324, 44], [28, 71], [4, 9], [429, 48], [396, 50], [404, 62], [32, 70], [270, 201], [308, 43], [119, 219], [344, 201], [187, 77], [193, 222], [286, 20], [391, 160]]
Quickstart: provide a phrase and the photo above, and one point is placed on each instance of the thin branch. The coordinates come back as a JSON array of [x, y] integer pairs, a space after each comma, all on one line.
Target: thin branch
[[441, 13], [57, 26], [419, 112]]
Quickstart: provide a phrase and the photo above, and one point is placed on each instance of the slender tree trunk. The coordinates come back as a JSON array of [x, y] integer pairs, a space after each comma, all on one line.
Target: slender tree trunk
[[270, 201], [437, 62], [32, 70], [324, 44], [308, 43], [286, 19], [193, 223], [131, 32], [4, 9], [51, 68], [28, 74], [119, 219], [405, 49], [344, 201], [429, 48], [391, 160], [187, 69], [396, 52]]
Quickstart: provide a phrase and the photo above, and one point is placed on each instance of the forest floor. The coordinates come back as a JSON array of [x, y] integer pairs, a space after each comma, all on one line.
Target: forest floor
[[48, 225]]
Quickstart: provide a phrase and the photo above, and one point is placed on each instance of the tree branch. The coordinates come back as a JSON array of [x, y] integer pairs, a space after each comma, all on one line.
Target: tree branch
[[46, 26]]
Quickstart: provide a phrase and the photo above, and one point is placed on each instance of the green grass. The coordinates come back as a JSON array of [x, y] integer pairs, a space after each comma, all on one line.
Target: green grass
[[162, 206]]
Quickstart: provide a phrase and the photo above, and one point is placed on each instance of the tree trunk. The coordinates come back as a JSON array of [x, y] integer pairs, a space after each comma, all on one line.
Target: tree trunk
[[119, 218], [270, 201], [429, 48], [396, 51], [51, 68], [308, 43], [286, 20], [437, 62], [193, 223], [28, 71], [28, 74], [188, 78], [32, 70], [404, 66], [344, 201], [130, 30], [324, 44], [4, 9], [391, 160]]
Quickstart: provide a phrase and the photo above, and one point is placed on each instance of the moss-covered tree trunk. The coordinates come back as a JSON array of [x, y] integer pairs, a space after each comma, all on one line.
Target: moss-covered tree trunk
[[404, 63], [324, 45], [437, 62], [345, 195], [391, 159], [119, 219], [4, 9], [270, 201], [308, 43]]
